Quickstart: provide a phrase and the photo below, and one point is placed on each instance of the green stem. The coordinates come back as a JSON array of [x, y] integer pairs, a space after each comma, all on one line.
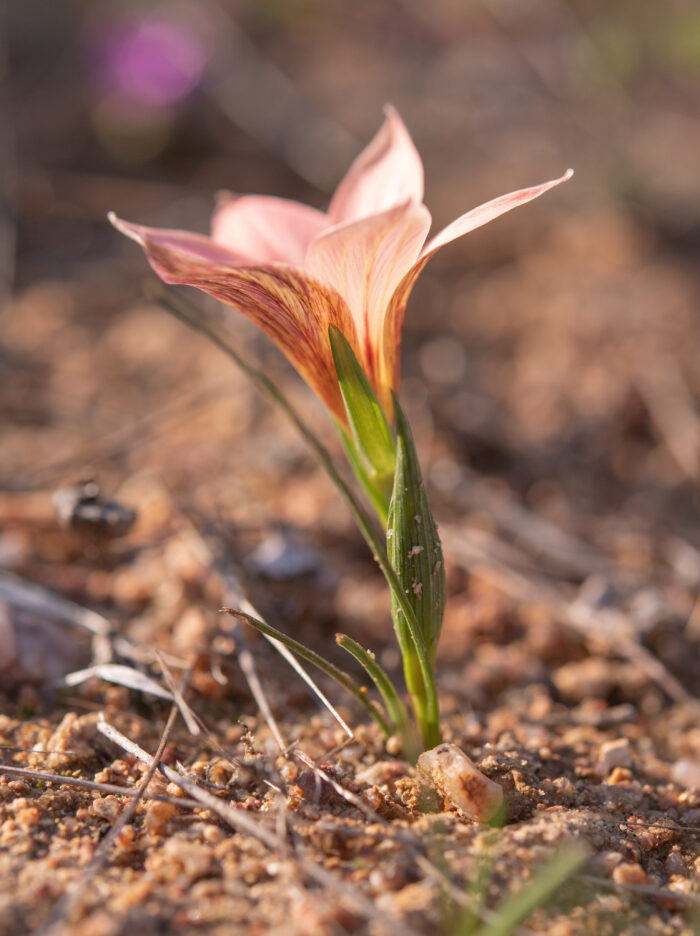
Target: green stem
[[330, 669], [430, 722]]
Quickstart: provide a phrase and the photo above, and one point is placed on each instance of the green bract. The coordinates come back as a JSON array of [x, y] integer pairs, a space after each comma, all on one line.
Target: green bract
[[370, 429], [413, 543], [415, 553]]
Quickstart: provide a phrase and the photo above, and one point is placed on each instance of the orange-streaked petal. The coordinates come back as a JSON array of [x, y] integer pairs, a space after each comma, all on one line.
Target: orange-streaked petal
[[264, 229], [473, 219], [195, 245], [387, 173], [365, 261], [293, 309]]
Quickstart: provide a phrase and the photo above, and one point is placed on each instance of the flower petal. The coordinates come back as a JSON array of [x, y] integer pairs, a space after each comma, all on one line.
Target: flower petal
[[195, 245], [387, 173], [364, 261], [489, 211], [473, 219], [266, 230], [293, 309]]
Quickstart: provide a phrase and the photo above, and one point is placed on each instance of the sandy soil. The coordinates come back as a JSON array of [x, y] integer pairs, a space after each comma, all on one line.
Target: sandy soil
[[550, 375]]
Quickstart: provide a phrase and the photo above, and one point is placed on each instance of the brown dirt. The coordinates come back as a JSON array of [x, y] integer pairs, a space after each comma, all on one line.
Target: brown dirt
[[553, 388]]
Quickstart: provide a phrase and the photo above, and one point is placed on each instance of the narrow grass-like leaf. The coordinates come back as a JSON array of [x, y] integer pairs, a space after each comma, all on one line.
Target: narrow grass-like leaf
[[463, 919], [370, 429], [330, 669], [511, 912], [393, 703]]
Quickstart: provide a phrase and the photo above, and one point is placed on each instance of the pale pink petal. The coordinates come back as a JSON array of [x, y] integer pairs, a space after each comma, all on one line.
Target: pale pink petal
[[489, 211], [292, 308], [387, 173], [473, 219], [195, 245], [266, 230], [365, 261]]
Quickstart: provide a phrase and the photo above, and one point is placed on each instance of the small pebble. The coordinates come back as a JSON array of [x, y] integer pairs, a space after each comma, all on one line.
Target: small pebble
[[605, 862], [106, 807], [158, 814], [619, 776], [196, 860], [461, 784], [315, 788], [615, 753], [383, 773], [629, 872], [584, 679], [675, 865], [687, 773], [281, 558]]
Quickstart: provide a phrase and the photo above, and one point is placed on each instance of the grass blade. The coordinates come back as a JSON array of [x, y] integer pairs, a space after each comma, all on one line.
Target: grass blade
[[393, 703], [516, 908], [330, 669]]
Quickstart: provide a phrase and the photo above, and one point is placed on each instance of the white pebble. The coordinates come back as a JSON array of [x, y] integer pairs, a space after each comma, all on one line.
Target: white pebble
[[460, 783]]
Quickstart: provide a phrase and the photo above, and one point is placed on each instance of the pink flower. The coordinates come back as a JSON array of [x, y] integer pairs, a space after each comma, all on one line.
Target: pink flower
[[295, 270]]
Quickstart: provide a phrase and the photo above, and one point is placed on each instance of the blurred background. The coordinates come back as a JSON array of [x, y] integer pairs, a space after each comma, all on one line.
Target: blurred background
[[554, 353], [551, 370]]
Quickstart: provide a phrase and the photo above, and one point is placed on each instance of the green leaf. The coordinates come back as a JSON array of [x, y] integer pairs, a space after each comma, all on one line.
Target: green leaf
[[413, 544], [370, 430], [330, 669], [509, 914], [393, 703]]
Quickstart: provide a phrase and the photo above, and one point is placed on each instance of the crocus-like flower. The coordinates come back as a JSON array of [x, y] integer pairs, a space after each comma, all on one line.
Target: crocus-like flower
[[295, 270]]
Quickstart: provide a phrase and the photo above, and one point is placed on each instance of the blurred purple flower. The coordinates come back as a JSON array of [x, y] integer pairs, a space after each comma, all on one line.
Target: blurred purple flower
[[153, 60]]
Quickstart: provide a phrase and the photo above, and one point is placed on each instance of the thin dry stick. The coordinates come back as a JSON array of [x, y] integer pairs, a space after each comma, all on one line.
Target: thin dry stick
[[34, 598], [188, 716], [247, 664], [69, 903], [612, 626], [645, 890], [243, 822], [120, 675], [15, 591], [107, 788], [236, 597]]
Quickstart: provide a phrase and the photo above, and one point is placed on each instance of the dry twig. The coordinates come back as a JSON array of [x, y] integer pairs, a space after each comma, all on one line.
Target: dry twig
[[70, 901]]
